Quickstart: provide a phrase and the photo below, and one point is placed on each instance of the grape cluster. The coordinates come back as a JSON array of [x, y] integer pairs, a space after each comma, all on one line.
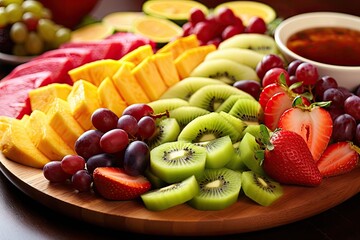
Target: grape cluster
[[214, 29], [26, 28], [114, 141]]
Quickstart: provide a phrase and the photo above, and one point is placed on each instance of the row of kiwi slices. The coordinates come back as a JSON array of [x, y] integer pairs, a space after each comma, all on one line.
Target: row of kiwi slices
[[204, 151]]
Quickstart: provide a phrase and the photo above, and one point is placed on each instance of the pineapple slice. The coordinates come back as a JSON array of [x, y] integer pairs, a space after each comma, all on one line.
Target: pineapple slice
[[138, 54], [191, 58], [40, 98], [149, 78], [17, 146], [166, 67], [45, 138], [62, 121], [83, 101], [110, 98], [95, 72], [128, 87]]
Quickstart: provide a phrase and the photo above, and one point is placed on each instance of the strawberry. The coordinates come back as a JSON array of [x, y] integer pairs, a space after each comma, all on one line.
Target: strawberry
[[338, 158], [114, 184], [288, 160], [313, 123], [275, 107], [267, 92]]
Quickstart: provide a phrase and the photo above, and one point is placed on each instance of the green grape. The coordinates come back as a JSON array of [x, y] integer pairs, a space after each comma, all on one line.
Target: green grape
[[7, 2], [18, 32], [33, 6], [19, 50], [63, 35], [34, 45], [46, 13], [46, 29], [14, 12], [3, 17]]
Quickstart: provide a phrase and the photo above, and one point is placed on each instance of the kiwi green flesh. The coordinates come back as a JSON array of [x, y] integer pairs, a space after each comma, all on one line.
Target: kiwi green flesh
[[229, 102], [213, 96], [175, 161], [171, 195], [155, 181], [219, 188], [167, 130], [253, 130], [208, 127], [219, 152], [237, 123], [186, 114], [247, 110], [236, 162], [162, 105], [248, 147], [260, 189]]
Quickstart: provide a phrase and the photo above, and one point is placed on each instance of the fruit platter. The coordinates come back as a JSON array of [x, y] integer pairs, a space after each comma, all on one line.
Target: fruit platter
[[183, 123]]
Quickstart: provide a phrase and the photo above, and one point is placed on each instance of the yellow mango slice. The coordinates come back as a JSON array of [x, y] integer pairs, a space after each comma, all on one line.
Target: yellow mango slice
[[45, 138], [5, 123], [17, 146], [138, 54], [191, 58], [166, 67], [41, 98], [128, 86], [149, 79], [62, 121], [83, 101], [110, 97], [95, 72], [178, 46]]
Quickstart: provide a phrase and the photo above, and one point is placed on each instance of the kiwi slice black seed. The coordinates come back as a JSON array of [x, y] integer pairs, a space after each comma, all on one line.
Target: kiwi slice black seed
[[186, 87], [162, 105], [167, 130], [175, 161], [219, 152], [186, 114], [208, 127], [212, 96], [248, 147], [171, 195], [229, 102], [236, 162], [219, 188], [237, 123], [260, 189], [248, 110]]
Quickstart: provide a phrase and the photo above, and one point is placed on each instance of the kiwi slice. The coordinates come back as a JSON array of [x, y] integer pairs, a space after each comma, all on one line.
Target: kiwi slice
[[167, 130], [211, 97], [260, 188], [219, 152], [237, 123], [248, 110], [255, 131], [175, 161], [236, 162], [208, 127], [186, 114], [155, 181], [162, 105], [224, 70], [248, 147], [171, 195], [219, 188], [186, 87], [229, 103]]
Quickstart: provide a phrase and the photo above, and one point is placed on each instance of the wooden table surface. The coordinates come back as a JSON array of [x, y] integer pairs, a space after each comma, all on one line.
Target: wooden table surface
[[23, 218]]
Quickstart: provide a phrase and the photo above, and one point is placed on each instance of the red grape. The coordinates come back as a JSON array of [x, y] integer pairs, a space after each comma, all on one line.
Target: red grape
[[225, 16], [357, 91], [147, 127], [104, 119], [30, 20], [231, 31], [251, 87], [352, 106], [273, 76], [100, 160], [81, 181], [54, 173], [187, 29], [322, 84], [291, 68], [136, 158], [138, 110], [72, 163], [196, 16], [344, 127], [256, 25], [204, 31], [357, 135], [291, 80], [335, 96], [114, 140], [335, 111], [307, 73], [129, 124], [88, 144], [347, 93], [267, 62]]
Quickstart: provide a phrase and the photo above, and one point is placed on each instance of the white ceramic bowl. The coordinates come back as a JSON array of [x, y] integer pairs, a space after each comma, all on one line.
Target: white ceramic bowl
[[348, 77]]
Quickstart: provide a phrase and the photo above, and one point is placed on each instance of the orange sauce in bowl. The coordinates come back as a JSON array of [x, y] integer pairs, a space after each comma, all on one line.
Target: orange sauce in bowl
[[330, 45]]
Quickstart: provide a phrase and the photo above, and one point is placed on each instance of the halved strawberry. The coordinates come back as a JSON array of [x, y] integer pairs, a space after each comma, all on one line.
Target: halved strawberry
[[114, 184], [267, 92], [338, 158], [313, 123], [275, 107]]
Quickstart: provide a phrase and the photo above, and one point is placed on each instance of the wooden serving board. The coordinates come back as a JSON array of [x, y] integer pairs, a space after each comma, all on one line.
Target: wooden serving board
[[244, 216]]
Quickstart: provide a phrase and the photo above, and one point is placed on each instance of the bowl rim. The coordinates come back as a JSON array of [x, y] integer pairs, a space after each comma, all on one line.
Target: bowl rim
[[314, 15]]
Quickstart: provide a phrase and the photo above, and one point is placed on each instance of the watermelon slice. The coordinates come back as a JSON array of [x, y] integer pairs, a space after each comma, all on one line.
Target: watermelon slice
[[58, 66], [78, 56], [14, 97], [130, 41]]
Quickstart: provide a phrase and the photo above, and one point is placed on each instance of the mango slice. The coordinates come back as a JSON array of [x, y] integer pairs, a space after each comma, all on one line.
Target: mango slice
[[83, 101], [128, 86], [138, 54], [110, 98], [62, 121], [17, 146], [178, 46], [166, 67], [41, 98]]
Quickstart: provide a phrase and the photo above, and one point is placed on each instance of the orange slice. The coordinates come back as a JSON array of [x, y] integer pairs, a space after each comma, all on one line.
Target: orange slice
[[92, 32]]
